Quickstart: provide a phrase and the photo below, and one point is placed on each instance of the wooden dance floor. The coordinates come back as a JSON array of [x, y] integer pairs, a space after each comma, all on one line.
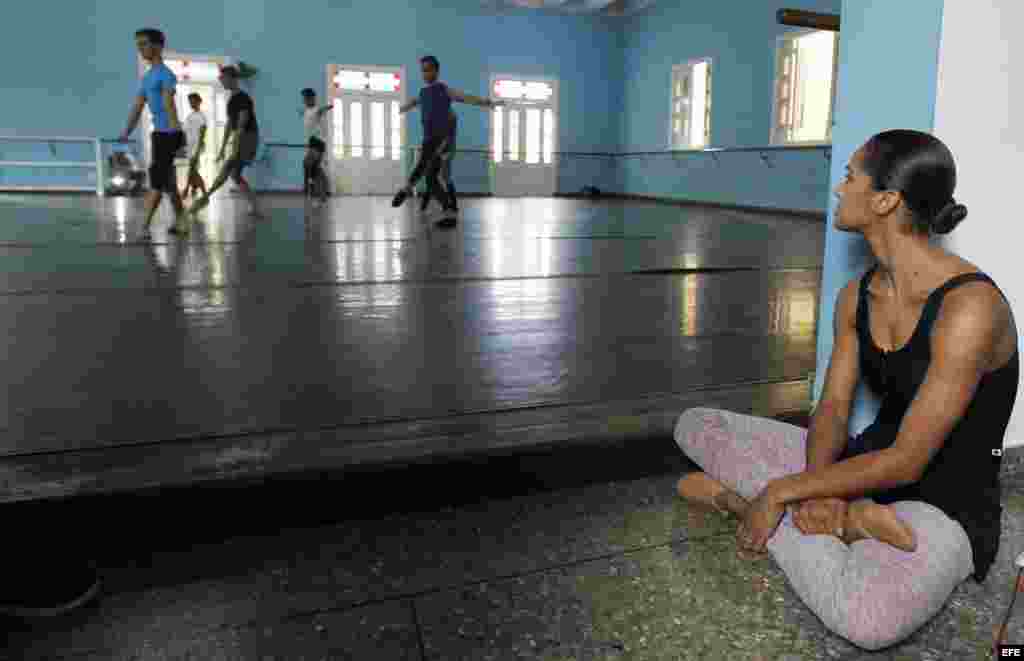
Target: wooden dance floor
[[318, 339]]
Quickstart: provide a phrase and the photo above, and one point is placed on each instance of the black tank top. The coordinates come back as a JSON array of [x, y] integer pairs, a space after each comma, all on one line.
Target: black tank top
[[962, 478]]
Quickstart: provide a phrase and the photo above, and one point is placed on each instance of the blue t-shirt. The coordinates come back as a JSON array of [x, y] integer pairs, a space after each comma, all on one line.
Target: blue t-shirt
[[157, 79], [435, 108]]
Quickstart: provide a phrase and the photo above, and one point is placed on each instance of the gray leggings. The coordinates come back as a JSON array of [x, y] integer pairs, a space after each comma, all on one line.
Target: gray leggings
[[870, 593]]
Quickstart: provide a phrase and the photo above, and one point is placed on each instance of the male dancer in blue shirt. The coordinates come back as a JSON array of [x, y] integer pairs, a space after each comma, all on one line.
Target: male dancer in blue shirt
[[157, 91]]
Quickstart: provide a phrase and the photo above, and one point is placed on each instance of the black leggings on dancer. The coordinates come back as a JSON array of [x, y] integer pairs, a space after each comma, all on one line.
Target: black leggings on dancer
[[312, 166], [445, 178], [429, 164]]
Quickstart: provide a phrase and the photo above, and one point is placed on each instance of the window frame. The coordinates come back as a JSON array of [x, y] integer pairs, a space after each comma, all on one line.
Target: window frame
[[793, 35], [523, 105], [688, 67], [343, 151]]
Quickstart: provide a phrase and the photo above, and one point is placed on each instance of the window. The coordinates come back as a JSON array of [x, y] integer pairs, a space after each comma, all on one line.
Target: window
[[355, 110], [396, 131], [524, 129], [365, 121], [367, 81], [690, 116], [513, 135], [190, 71], [523, 91], [338, 130], [379, 149], [533, 137], [805, 76], [549, 135], [497, 146]]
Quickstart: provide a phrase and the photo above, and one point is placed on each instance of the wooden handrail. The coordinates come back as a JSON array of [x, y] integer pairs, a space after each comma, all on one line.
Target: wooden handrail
[[808, 19]]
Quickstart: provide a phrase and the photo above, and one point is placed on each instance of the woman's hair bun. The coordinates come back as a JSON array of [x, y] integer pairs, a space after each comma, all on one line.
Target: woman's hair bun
[[949, 217]]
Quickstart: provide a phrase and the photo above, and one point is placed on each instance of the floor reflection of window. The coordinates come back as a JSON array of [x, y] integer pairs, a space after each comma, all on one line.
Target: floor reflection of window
[[495, 247], [381, 266], [802, 308], [121, 211], [396, 254], [689, 305], [546, 267]]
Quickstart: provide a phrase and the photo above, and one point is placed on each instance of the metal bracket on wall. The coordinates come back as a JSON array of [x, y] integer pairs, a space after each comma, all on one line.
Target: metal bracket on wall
[[767, 161]]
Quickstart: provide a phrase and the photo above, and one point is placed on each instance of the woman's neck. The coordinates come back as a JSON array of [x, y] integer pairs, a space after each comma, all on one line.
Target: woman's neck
[[906, 262]]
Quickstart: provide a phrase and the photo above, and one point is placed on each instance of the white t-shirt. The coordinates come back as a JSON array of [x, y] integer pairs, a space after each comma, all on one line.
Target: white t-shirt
[[195, 122], [312, 122]]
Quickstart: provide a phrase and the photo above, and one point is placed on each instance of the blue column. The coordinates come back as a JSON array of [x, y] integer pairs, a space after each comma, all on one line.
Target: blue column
[[888, 67]]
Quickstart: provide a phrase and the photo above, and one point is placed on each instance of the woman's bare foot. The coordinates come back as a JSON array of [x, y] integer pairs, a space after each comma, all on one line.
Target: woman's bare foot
[[867, 519], [699, 487]]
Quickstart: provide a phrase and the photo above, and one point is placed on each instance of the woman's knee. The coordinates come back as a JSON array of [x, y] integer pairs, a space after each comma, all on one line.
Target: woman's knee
[[890, 594], [694, 420], [874, 639]]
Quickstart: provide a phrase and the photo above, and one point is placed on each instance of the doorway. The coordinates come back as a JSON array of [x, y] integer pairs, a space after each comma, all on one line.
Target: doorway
[[367, 133], [196, 74], [524, 136]]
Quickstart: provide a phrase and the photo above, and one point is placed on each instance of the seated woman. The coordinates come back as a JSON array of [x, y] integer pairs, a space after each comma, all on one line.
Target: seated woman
[[875, 532]]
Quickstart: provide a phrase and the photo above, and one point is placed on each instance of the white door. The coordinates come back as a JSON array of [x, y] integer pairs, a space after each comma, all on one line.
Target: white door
[[523, 136], [214, 106], [367, 132]]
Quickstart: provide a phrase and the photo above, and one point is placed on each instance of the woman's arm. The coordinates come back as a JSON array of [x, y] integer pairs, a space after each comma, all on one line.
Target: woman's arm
[[829, 428], [963, 342]]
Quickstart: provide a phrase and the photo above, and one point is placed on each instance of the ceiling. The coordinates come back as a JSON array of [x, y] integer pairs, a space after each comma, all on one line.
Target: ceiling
[[601, 7]]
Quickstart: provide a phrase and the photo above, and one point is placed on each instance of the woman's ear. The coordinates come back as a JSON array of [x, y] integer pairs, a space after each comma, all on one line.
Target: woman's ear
[[884, 203]]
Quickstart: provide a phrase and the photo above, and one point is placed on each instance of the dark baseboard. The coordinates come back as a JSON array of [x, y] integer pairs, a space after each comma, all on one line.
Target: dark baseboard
[[394, 444]]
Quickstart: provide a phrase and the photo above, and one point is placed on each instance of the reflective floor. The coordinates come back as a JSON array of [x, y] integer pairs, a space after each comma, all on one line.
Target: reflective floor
[[313, 318]]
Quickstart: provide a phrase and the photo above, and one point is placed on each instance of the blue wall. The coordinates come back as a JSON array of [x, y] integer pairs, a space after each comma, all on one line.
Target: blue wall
[[740, 38], [876, 92], [85, 78]]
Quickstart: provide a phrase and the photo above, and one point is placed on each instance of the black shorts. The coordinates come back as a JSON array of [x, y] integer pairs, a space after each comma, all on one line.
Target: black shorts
[[161, 168], [316, 144], [248, 145]]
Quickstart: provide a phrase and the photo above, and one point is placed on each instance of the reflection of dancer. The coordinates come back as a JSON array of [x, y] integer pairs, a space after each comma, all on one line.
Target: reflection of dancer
[[435, 101], [244, 135], [157, 91], [195, 133], [312, 165]]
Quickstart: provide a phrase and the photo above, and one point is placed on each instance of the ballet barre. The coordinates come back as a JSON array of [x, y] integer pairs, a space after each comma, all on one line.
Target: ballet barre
[[96, 164]]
